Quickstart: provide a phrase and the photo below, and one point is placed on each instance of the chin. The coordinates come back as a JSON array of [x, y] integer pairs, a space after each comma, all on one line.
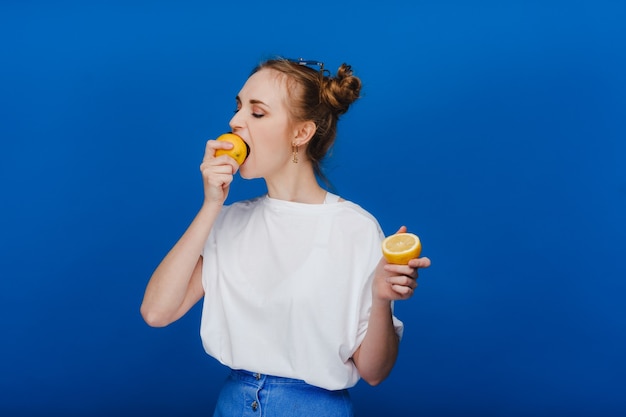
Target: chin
[[246, 174]]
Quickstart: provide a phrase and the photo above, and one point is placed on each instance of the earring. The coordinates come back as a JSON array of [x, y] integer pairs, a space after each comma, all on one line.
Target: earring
[[294, 151]]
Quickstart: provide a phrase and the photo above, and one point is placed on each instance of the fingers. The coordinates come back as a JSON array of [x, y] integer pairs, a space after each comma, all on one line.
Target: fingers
[[402, 279], [423, 262], [217, 179], [217, 172], [398, 282], [212, 145], [402, 229], [221, 165], [403, 291], [410, 270], [395, 282], [402, 285], [400, 269]]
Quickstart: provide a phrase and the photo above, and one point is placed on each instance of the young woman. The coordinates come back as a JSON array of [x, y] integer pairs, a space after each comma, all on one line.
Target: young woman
[[298, 301]]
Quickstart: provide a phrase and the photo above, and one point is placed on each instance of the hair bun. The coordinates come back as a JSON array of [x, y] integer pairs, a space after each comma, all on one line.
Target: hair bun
[[340, 91]]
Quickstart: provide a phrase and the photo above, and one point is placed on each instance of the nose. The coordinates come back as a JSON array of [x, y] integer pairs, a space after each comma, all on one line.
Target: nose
[[235, 122]]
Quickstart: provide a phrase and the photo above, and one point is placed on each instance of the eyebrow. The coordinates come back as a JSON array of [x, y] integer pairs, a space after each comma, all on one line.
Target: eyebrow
[[253, 101]]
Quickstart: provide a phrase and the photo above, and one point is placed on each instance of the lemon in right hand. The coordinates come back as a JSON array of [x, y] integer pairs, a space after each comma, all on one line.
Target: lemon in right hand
[[401, 248], [240, 149]]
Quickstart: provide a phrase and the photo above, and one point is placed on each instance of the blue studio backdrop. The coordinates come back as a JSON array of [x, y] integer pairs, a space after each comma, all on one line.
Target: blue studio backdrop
[[495, 130]]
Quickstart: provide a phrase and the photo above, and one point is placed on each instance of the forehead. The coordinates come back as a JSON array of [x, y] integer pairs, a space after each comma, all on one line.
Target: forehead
[[266, 85]]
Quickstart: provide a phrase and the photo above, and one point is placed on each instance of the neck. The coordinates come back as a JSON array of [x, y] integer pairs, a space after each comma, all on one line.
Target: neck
[[298, 185]]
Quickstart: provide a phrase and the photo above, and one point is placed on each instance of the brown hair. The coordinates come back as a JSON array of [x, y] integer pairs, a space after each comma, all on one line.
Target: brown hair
[[319, 97]]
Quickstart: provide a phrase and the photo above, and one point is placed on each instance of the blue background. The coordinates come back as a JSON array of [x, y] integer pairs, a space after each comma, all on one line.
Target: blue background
[[493, 129]]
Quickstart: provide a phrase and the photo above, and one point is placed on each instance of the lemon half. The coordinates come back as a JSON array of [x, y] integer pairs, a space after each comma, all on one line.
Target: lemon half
[[401, 248], [240, 150]]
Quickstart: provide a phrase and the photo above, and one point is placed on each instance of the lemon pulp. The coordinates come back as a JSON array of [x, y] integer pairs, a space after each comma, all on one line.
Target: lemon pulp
[[401, 248]]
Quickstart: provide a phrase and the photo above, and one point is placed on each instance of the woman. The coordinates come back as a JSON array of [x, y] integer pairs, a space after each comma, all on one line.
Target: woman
[[298, 301]]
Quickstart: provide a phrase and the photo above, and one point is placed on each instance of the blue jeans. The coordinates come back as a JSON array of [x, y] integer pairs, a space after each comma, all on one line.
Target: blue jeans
[[246, 394]]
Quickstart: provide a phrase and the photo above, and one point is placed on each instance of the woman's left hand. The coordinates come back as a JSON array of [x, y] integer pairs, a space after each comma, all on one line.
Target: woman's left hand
[[397, 282]]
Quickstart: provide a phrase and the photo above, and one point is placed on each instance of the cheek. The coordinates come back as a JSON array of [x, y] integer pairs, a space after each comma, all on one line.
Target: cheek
[[269, 147], [265, 159]]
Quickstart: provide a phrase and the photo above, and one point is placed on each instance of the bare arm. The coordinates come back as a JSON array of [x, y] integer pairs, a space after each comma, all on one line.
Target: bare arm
[[377, 354], [176, 284]]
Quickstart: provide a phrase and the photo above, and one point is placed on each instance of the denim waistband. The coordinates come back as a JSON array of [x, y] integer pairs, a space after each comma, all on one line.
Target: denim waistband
[[257, 378]]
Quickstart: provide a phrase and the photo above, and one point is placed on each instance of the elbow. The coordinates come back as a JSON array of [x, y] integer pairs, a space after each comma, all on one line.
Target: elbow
[[372, 371], [375, 377], [374, 380], [153, 318]]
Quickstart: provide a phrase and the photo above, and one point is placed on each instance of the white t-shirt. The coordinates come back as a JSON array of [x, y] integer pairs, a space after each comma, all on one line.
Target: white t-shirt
[[288, 288]]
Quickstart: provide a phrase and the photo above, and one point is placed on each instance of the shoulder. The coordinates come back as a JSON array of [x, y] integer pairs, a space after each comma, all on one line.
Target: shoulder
[[355, 211], [353, 216], [359, 211]]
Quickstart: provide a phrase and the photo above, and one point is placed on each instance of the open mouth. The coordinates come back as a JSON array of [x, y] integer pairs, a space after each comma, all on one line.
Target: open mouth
[[247, 149]]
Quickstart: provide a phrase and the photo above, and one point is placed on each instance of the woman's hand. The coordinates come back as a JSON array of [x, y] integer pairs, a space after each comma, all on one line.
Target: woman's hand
[[217, 172], [397, 282]]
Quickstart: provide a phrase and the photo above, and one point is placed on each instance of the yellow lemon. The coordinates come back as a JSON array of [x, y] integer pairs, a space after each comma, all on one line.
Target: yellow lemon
[[401, 248], [240, 150]]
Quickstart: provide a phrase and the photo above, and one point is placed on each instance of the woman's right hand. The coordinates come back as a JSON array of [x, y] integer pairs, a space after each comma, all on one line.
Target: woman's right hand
[[217, 172]]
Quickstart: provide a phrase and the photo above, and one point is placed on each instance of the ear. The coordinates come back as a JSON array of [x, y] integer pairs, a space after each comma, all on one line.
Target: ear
[[304, 133]]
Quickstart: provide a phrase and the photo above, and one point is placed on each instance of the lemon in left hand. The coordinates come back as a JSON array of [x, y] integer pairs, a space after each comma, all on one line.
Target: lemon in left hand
[[401, 248]]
